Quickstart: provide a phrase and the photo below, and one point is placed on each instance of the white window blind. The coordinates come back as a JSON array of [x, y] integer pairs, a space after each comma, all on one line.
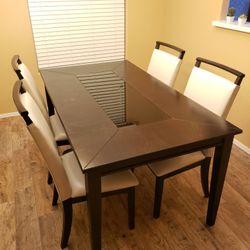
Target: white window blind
[[71, 32]]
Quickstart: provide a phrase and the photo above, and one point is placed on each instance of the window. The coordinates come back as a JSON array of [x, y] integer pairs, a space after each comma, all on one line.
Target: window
[[241, 7], [71, 32]]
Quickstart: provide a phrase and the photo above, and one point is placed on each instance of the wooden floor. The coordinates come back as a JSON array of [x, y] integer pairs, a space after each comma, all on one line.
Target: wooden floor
[[29, 222]]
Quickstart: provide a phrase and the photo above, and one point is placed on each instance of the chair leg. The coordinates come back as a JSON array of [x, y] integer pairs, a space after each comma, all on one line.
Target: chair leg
[[55, 197], [131, 208], [67, 222], [158, 196], [50, 179], [205, 176]]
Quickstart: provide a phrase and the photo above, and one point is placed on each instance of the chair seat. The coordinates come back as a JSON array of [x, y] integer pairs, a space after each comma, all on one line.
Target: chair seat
[[111, 182], [57, 127], [163, 167]]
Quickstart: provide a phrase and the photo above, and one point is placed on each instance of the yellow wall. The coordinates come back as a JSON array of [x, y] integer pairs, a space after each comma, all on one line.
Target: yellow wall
[[192, 30], [16, 38], [184, 23], [145, 23]]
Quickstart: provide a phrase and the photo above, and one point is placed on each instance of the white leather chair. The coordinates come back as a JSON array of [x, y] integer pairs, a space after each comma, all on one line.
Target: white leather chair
[[68, 178], [30, 85], [23, 72], [213, 92], [163, 65]]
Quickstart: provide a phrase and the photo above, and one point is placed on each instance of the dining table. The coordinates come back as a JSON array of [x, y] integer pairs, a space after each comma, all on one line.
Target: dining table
[[117, 116]]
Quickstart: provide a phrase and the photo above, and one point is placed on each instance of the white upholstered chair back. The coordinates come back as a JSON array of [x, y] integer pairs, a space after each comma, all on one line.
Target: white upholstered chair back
[[43, 136], [30, 84], [212, 91], [165, 66]]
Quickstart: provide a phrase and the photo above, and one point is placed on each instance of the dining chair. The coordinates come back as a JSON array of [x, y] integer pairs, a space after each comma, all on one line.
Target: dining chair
[[213, 92], [30, 85], [69, 181], [165, 65], [23, 72]]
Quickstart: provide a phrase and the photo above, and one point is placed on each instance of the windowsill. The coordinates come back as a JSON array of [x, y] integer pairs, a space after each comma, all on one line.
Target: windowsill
[[232, 26]]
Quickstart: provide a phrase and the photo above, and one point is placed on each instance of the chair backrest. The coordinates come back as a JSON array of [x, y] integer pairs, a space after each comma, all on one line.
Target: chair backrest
[[43, 136], [163, 65], [212, 91], [30, 85]]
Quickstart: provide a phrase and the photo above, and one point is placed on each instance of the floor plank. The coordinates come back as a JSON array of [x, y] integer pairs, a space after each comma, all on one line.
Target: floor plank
[[27, 226], [7, 182], [7, 226]]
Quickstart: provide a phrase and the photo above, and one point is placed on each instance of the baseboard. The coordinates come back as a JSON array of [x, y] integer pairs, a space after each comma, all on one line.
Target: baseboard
[[6, 115], [242, 146]]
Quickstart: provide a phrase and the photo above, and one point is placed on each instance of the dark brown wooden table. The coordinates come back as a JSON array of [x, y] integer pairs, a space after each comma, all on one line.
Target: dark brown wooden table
[[166, 124]]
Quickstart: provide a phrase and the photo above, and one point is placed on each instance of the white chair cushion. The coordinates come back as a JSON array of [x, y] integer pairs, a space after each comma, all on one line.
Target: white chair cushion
[[119, 180], [57, 128], [75, 175], [111, 182], [164, 66], [211, 91], [163, 167]]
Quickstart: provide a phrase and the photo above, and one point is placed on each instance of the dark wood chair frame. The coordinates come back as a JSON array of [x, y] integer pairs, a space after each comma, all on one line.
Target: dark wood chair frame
[[67, 210], [67, 204], [204, 170], [181, 51], [248, 15], [159, 182]]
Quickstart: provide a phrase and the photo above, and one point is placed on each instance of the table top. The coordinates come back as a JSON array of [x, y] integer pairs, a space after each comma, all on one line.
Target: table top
[[116, 115]]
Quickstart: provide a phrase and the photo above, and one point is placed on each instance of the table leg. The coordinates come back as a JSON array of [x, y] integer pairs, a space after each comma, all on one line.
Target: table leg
[[50, 104], [93, 188], [221, 159]]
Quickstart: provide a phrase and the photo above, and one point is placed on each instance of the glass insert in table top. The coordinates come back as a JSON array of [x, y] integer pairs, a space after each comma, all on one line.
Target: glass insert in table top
[[123, 104]]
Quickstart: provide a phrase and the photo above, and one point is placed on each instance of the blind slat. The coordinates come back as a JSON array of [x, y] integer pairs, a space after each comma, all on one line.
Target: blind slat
[[77, 32]]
